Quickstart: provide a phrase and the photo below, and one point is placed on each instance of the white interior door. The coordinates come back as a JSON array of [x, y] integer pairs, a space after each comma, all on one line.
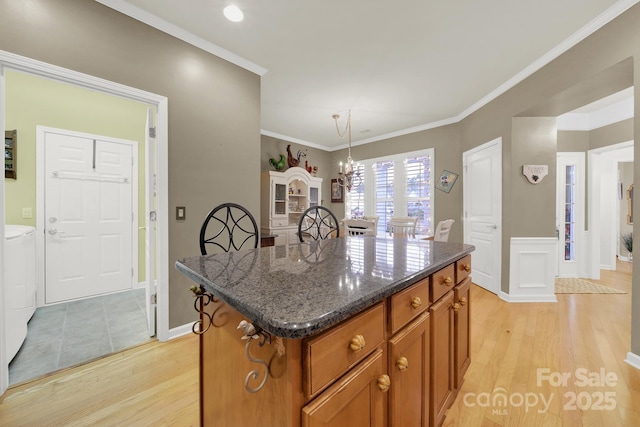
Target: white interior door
[[482, 184], [88, 217], [570, 206], [150, 220]]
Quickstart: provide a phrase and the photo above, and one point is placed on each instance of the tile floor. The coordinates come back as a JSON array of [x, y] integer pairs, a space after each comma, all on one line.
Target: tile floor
[[70, 333]]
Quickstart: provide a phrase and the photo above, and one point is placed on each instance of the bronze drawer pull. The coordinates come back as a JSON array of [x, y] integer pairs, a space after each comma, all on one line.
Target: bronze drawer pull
[[357, 343], [416, 302], [384, 382], [402, 363]]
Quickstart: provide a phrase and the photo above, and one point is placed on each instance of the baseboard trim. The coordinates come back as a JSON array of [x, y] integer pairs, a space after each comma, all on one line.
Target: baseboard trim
[[180, 331], [633, 360], [526, 298]]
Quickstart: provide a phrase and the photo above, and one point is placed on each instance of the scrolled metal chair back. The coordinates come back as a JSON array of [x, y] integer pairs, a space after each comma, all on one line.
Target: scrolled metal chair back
[[228, 226], [318, 223]]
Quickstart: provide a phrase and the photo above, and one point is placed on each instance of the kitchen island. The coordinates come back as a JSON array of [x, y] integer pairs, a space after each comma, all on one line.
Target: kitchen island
[[351, 331]]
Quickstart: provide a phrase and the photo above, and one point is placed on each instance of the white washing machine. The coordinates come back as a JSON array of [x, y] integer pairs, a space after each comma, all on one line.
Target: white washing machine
[[20, 283]]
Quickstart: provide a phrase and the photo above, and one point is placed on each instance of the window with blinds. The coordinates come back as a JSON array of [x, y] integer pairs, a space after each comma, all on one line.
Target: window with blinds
[[399, 185], [418, 194], [383, 175]]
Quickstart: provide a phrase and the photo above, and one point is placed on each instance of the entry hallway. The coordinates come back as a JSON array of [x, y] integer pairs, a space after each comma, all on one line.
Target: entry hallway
[[156, 384]]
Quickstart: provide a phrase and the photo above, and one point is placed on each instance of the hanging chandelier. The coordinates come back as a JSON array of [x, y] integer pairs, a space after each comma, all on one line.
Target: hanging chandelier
[[349, 175]]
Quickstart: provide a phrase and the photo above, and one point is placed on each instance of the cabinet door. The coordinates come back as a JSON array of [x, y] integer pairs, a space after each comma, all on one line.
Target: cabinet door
[[461, 330], [278, 197], [442, 387], [409, 373], [356, 400], [314, 196]]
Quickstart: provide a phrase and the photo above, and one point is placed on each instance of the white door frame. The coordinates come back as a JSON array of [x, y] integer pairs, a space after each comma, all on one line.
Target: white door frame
[[577, 267], [24, 64], [40, 202], [496, 258], [603, 223]]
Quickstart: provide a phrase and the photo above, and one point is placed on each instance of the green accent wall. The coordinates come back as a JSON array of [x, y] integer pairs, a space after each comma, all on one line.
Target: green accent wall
[[35, 101]]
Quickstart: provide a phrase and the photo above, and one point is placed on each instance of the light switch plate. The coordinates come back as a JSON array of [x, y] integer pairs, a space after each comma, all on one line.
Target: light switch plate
[[180, 212], [27, 213]]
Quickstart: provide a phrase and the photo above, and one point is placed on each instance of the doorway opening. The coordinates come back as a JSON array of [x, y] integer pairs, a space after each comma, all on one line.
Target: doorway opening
[[155, 181]]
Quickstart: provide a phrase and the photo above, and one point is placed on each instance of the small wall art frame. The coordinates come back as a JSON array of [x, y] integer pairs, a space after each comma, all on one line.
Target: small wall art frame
[[446, 181], [337, 192]]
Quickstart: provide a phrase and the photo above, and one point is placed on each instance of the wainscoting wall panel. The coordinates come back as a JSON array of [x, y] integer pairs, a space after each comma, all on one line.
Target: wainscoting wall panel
[[533, 270]]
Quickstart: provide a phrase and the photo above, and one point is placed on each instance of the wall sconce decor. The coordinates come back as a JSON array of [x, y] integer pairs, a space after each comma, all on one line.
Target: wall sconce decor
[[535, 173]]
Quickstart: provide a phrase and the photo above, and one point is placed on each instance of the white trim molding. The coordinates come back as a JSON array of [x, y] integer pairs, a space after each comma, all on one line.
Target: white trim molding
[[633, 360], [180, 331], [533, 270]]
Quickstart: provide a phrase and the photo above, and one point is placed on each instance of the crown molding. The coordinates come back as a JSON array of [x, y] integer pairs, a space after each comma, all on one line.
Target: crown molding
[[604, 18], [180, 33]]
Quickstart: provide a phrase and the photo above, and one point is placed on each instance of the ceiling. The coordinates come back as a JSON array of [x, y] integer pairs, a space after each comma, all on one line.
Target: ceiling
[[399, 67]]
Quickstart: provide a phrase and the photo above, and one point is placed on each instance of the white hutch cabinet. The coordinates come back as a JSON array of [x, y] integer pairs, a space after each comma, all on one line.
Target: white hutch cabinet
[[284, 197]]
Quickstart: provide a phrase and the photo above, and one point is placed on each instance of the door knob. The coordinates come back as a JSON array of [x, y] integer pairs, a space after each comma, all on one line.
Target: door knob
[[53, 231]]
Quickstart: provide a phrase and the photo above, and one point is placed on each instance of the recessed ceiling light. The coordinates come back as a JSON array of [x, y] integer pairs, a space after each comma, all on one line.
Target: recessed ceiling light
[[233, 13]]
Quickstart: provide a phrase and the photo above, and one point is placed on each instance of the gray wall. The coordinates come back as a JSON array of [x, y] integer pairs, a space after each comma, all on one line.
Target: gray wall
[[612, 134], [573, 141], [214, 107], [534, 142]]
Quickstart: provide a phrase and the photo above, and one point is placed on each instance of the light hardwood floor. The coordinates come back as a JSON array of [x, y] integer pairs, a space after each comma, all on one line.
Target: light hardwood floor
[[157, 384]]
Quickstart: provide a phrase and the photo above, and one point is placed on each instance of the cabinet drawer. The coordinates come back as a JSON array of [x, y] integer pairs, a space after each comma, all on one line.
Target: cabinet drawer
[[442, 281], [406, 305], [463, 268], [332, 353], [279, 222]]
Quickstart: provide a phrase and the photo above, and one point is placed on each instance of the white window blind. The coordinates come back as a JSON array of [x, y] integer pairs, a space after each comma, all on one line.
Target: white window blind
[[418, 194], [384, 191]]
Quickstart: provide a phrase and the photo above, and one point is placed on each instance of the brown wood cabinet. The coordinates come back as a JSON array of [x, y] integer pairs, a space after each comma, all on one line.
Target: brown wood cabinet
[[398, 363], [462, 351], [409, 372], [359, 399], [442, 380]]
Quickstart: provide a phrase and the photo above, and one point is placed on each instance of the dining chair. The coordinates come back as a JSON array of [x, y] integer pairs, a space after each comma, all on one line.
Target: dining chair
[[442, 231], [403, 226], [228, 226], [373, 218], [359, 227], [318, 223]]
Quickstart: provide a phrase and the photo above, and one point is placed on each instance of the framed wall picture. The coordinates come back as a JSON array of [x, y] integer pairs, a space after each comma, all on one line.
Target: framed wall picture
[[446, 181], [337, 193]]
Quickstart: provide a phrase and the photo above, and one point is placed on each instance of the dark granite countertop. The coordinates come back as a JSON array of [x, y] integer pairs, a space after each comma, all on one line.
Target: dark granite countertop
[[299, 290]]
